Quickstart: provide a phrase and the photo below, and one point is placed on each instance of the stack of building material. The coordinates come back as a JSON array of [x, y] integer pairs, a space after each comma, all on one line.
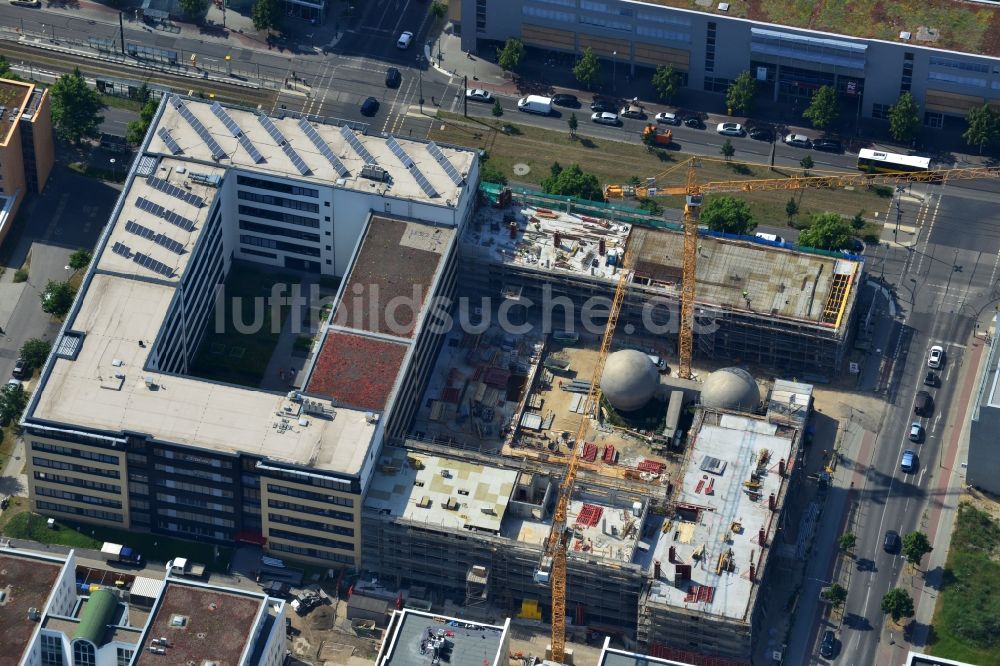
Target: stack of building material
[[589, 452], [589, 516], [610, 455], [651, 466]]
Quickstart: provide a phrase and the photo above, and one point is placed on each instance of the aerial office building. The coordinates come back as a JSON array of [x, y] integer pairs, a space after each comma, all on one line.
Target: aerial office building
[[120, 433], [27, 151], [947, 69]]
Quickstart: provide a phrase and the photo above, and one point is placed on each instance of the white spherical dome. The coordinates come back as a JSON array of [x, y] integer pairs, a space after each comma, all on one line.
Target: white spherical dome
[[630, 379], [731, 388]]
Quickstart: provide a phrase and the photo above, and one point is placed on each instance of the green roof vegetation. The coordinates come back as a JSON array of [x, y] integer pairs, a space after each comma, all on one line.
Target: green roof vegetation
[[96, 616]]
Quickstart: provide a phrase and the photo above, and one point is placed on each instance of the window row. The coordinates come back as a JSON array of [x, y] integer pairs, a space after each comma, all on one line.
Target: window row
[[272, 230], [192, 458], [964, 65], [69, 467], [79, 483], [194, 502], [272, 244], [278, 216], [90, 513], [312, 552], [76, 453], [312, 510], [77, 497], [281, 202], [307, 538], [275, 186], [173, 484], [197, 473], [310, 524]]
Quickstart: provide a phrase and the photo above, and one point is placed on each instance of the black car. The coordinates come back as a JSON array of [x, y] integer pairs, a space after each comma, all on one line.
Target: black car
[[828, 145], [602, 105], [931, 378], [891, 543], [563, 99], [393, 78], [695, 122], [369, 107], [828, 647], [923, 404], [21, 369], [761, 134]]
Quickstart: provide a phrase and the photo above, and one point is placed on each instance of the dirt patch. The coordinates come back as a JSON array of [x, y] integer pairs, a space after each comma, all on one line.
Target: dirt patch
[[983, 501]]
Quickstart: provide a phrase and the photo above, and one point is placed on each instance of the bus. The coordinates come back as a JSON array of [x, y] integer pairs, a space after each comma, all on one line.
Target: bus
[[877, 161]]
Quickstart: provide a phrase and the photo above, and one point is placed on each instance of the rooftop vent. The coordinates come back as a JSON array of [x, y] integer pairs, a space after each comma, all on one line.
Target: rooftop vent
[[374, 172], [33, 614], [713, 465], [178, 621]]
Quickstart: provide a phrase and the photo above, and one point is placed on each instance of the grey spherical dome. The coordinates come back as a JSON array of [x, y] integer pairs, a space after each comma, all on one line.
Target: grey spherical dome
[[630, 379], [730, 388]]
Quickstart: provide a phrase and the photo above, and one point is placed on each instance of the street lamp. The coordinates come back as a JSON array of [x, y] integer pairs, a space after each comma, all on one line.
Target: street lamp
[[229, 65], [114, 170], [614, 71]]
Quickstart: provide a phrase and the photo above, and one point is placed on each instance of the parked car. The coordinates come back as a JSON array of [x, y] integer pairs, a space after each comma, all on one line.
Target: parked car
[[404, 40], [633, 111], [605, 118], [935, 357], [564, 99], [761, 134], [604, 105], [14, 383], [730, 129], [828, 646], [21, 369], [667, 118], [774, 238], [923, 404], [931, 378], [828, 145], [393, 78], [479, 95], [908, 463], [694, 122], [798, 140], [369, 107], [891, 542], [916, 432]]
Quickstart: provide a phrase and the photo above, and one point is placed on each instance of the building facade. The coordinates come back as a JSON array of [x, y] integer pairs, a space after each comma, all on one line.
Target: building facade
[[789, 63], [27, 152], [983, 470]]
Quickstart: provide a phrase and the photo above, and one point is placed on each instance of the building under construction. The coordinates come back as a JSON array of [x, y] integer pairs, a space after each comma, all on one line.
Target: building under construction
[[759, 302]]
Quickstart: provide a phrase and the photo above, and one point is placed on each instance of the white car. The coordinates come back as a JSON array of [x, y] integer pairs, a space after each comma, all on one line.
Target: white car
[[479, 95], [404, 40], [800, 140], [935, 358], [605, 118], [667, 118], [730, 129]]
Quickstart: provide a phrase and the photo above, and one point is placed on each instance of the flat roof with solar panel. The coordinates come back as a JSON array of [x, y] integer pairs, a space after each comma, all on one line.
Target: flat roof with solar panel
[[412, 167], [310, 150]]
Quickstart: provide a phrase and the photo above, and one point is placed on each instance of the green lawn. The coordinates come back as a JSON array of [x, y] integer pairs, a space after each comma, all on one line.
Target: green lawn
[[78, 535], [617, 162], [966, 625], [242, 357]]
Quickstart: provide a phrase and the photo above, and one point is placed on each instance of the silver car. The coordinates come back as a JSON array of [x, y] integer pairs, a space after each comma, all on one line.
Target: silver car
[[605, 118], [798, 140]]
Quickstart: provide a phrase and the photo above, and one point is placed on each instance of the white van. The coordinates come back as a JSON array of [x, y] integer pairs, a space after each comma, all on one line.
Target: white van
[[774, 238], [535, 104], [404, 40]]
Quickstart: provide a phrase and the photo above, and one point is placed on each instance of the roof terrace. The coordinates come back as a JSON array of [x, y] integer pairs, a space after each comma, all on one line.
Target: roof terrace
[[27, 583], [415, 637]]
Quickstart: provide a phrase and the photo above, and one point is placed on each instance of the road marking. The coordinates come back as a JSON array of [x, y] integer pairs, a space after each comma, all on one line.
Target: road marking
[[920, 480], [930, 228]]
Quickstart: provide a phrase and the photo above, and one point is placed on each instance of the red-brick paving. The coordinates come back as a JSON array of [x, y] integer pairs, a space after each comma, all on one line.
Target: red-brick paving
[[30, 583], [387, 272], [356, 371], [218, 627]]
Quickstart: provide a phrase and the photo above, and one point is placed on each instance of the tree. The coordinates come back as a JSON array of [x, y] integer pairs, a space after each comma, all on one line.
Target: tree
[[836, 594], [984, 127], [573, 124], [574, 182], [649, 139], [858, 221], [75, 108], [915, 546], [904, 118], [587, 69], [143, 94], [806, 163], [651, 206], [35, 351], [194, 8], [727, 149], [57, 298], [497, 108], [848, 540], [729, 215], [13, 400], [136, 130], [826, 231], [791, 209], [898, 604], [822, 110], [742, 93], [438, 9], [510, 56], [667, 82], [265, 14], [80, 259], [5, 71], [489, 173]]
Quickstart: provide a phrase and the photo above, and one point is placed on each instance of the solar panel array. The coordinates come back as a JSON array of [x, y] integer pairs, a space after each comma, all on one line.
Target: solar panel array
[[174, 191], [235, 130], [156, 209], [213, 145], [147, 261], [356, 144], [323, 147], [169, 140], [122, 249], [280, 139], [160, 239], [414, 170], [445, 163]]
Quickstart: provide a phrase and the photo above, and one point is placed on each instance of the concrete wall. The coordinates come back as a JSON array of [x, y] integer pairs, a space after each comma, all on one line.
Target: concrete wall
[[41, 129]]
